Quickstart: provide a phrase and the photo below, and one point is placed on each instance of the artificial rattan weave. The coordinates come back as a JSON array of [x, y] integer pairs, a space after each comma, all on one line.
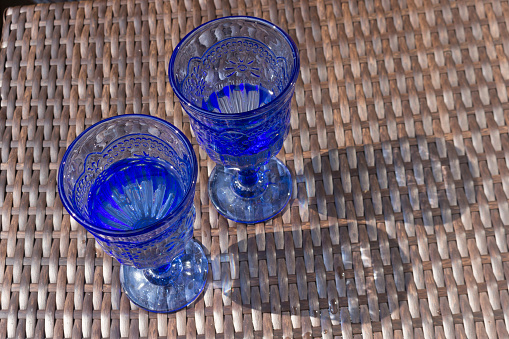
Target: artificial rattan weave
[[399, 150]]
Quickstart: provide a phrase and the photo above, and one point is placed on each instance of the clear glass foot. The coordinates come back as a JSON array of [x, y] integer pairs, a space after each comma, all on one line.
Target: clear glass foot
[[169, 288], [251, 201]]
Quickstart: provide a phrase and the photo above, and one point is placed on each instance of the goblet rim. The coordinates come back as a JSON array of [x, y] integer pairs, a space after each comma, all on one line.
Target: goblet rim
[[189, 193], [278, 100]]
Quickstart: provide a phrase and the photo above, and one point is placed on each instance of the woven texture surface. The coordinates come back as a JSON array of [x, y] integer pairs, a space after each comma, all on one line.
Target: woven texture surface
[[399, 150]]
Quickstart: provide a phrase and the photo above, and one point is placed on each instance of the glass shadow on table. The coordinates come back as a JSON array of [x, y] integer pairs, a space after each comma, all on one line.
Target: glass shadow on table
[[363, 255]]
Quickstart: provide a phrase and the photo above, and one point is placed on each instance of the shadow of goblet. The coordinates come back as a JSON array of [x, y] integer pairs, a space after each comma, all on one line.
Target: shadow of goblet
[[398, 240]]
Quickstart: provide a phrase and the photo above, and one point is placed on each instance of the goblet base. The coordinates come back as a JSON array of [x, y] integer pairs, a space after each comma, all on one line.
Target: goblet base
[[181, 289], [270, 194]]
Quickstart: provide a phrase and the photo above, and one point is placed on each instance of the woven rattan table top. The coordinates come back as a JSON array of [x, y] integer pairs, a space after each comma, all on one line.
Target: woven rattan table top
[[399, 150]]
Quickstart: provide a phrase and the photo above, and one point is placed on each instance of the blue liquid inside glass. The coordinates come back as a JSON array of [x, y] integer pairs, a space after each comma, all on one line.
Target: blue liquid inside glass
[[238, 98], [133, 193]]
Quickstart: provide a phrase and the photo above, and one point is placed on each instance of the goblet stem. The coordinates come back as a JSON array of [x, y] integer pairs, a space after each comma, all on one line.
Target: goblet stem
[[251, 195], [166, 273], [169, 287], [249, 183], [248, 177]]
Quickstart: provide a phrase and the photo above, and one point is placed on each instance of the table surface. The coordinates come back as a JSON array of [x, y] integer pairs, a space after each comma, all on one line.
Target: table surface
[[399, 150]]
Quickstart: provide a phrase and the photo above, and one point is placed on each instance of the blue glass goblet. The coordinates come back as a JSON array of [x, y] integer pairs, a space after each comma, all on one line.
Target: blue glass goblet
[[235, 78], [130, 181]]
